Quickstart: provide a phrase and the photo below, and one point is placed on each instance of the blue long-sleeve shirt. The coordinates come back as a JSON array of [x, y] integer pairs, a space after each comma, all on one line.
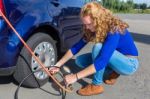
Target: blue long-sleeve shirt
[[116, 41]]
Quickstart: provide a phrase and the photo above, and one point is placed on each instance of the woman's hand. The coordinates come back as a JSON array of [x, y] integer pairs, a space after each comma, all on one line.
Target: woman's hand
[[54, 69], [70, 79]]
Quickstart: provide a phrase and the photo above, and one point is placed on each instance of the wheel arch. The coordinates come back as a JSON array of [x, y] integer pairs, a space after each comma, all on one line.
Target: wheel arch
[[47, 29]]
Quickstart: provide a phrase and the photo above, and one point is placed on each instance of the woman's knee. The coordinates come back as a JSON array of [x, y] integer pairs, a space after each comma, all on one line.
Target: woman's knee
[[96, 49], [77, 62], [84, 60]]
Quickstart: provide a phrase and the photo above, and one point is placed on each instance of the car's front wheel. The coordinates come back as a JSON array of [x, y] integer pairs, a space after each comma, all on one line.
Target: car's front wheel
[[44, 48]]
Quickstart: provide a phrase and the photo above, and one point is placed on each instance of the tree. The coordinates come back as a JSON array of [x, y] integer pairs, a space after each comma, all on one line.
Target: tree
[[143, 6], [136, 6], [118, 5], [130, 4]]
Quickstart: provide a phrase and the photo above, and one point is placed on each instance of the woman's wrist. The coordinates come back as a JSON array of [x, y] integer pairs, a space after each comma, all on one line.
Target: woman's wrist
[[58, 65]]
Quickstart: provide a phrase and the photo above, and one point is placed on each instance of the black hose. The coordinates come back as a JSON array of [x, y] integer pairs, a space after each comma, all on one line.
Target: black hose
[[63, 93]]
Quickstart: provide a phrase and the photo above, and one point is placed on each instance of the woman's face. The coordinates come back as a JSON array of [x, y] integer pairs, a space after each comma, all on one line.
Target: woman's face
[[87, 22]]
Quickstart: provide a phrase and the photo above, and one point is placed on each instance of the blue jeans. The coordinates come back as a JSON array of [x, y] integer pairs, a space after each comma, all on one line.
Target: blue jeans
[[118, 62]]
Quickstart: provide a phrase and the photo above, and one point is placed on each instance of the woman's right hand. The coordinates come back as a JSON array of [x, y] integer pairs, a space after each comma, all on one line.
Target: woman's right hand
[[54, 69]]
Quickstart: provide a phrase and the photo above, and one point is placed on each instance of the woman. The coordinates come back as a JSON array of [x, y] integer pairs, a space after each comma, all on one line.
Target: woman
[[114, 51]]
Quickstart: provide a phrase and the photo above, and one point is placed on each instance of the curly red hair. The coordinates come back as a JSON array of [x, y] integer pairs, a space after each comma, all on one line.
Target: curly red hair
[[103, 21]]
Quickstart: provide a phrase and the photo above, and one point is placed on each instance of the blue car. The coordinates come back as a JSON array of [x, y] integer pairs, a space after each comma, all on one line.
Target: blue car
[[49, 27]]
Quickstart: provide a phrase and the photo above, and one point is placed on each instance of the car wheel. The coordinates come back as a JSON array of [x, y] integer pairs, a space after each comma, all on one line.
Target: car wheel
[[44, 48]]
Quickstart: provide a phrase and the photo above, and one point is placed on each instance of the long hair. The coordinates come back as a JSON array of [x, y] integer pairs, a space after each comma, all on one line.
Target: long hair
[[103, 21]]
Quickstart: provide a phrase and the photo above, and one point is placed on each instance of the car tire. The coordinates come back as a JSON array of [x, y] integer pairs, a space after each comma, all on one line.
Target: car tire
[[24, 63]]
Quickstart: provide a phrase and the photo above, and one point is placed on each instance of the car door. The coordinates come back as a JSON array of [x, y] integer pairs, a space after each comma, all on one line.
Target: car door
[[70, 24]]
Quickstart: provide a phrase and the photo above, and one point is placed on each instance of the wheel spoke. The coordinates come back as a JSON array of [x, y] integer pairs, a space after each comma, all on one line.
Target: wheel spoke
[[46, 53]]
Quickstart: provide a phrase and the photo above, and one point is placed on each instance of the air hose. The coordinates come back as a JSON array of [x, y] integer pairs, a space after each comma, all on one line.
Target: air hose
[[61, 92]]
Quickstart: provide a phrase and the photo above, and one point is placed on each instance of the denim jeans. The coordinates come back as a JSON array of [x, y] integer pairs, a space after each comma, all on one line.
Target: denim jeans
[[118, 62]]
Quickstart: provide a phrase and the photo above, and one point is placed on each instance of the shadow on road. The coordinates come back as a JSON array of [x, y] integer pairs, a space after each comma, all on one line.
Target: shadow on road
[[7, 80], [141, 38]]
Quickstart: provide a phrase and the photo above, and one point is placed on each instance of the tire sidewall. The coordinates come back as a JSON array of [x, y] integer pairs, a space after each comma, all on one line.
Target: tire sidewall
[[24, 61]]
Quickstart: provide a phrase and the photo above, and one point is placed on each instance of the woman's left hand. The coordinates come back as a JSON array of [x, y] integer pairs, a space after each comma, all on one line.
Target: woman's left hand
[[70, 79]]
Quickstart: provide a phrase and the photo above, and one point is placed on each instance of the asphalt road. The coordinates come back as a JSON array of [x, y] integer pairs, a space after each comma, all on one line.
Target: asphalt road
[[136, 86]]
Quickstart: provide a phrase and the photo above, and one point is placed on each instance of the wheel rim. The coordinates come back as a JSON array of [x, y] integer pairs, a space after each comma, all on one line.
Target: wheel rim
[[46, 53]]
